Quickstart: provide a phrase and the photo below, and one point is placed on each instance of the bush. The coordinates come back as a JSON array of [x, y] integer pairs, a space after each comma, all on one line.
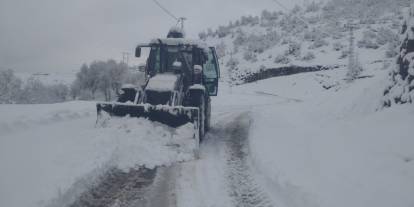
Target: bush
[[309, 56], [10, 87], [368, 40], [106, 77], [385, 36], [313, 7], [250, 56], [337, 46], [221, 49], [294, 49], [202, 35], [232, 63], [320, 42], [282, 59]]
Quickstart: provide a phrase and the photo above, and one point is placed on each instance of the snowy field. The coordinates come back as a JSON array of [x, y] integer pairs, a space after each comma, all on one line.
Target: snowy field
[[310, 139]]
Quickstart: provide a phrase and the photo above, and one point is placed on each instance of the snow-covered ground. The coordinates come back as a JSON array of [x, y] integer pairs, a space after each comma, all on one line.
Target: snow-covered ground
[[307, 145], [309, 139], [336, 147], [47, 150]]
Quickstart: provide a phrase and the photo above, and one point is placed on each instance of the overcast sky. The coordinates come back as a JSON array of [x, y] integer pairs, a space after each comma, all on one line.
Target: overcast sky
[[60, 35]]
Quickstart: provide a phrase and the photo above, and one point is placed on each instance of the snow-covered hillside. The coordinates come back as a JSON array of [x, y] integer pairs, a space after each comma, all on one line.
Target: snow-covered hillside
[[316, 34]]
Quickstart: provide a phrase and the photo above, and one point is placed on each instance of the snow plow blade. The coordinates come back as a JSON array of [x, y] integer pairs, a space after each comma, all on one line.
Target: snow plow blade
[[168, 115]]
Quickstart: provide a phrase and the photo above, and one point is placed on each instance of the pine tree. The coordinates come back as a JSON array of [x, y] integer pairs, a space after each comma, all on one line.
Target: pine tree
[[401, 78]]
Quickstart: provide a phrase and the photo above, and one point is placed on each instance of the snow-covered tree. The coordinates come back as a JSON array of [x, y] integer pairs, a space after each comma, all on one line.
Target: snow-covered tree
[[354, 67], [369, 40], [10, 87], [221, 49], [233, 67], [281, 59], [105, 77], [308, 56], [295, 48], [202, 35], [401, 86]]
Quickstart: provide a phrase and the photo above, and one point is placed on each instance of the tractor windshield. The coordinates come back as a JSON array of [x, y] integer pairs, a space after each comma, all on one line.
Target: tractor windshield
[[169, 59]]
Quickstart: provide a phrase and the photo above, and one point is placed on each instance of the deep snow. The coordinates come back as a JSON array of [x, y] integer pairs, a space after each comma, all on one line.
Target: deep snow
[[336, 147], [314, 140], [47, 149]]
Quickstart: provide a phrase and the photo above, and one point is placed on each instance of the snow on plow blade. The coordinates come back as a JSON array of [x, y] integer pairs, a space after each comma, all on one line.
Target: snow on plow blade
[[173, 116]]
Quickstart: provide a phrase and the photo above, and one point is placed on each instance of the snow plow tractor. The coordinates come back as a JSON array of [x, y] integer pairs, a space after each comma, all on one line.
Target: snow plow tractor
[[181, 76]]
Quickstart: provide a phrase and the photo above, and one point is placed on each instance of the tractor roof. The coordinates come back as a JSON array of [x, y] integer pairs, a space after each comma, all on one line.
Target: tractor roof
[[177, 42]]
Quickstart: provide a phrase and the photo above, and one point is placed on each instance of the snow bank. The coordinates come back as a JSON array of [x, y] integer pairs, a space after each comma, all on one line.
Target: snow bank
[[43, 161], [144, 143]]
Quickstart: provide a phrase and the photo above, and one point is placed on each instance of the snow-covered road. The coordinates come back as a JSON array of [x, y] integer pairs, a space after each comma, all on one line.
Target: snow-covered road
[[222, 176]]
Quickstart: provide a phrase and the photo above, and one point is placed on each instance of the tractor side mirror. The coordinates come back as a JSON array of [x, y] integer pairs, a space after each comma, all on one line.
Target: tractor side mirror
[[138, 52]]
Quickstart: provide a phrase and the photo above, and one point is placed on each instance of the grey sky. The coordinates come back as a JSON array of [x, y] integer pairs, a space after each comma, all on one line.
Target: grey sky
[[53, 35]]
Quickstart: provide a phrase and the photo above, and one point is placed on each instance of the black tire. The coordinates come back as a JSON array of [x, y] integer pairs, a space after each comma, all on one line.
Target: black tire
[[202, 108], [199, 100], [208, 115]]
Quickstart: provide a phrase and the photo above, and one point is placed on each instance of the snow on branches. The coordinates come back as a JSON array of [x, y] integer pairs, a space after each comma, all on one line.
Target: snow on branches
[[401, 78]]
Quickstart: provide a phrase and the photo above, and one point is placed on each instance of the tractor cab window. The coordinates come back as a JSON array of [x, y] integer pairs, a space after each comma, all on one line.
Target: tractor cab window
[[177, 57], [155, 60], [172, 57], [210, 69], [211, 72]]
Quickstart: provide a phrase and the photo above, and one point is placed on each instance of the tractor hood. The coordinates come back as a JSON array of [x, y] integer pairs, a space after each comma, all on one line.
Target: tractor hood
[[163, 82]]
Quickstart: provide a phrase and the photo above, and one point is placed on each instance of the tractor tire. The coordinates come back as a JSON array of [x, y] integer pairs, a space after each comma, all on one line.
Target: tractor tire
[[208, 115], [202, 108], [199, 100]]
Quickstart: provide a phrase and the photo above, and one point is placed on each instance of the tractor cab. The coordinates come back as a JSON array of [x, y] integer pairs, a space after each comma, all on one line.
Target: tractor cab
[[183, 57]]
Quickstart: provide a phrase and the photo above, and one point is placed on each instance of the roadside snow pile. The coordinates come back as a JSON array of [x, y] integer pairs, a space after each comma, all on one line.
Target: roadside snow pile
[[332, 148], [63, 152]]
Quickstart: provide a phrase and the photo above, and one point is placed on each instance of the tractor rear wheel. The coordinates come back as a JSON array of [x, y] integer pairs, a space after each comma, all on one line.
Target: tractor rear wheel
[[197, 99], [202, 108]]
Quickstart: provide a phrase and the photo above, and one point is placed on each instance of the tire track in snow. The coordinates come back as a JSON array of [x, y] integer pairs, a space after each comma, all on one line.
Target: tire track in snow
[[118, 188], [136, 188], [242, 185]]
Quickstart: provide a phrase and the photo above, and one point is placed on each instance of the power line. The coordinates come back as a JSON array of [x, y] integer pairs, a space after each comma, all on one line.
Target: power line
[[166, 10]]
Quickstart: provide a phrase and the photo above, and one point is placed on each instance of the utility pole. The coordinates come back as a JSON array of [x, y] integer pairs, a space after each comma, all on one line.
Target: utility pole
[[181, 21], [353, 67], [125, 58]]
